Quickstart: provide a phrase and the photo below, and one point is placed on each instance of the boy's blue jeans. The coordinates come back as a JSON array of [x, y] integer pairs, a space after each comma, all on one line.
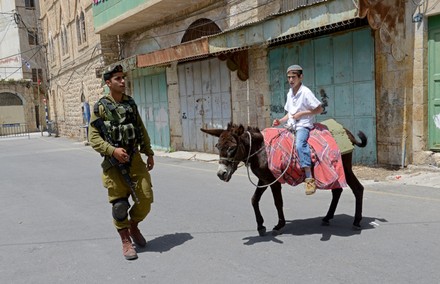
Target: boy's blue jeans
[[302, 147]]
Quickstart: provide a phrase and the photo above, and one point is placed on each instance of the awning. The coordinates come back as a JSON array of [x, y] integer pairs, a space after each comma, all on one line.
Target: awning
[[285, 25], [271, 29], [191, 49]]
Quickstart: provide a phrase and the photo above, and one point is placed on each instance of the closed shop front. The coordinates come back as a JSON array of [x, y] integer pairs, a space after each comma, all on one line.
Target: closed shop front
[[434, 83], [339, 69], [205, 100], [150, 94]]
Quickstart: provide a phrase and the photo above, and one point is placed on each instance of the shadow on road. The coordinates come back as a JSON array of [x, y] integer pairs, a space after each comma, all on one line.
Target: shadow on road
[[166, 242], [340, 226]]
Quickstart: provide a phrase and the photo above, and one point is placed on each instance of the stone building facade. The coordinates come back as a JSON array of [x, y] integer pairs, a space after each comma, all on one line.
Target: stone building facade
[[169, 49], [75, 55], [22, 66]]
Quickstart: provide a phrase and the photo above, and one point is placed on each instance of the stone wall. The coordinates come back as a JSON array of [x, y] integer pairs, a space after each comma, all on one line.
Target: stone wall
[[251, 99], [29, 101], [175, 113], [74, 77], [394, 97]]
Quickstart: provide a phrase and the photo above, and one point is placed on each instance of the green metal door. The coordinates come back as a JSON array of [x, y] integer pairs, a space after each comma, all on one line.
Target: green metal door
[[434, 83], [150, 94], [339, 69]]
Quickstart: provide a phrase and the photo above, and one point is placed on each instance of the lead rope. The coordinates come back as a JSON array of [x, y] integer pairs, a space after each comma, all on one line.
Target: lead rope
[[247, 165]]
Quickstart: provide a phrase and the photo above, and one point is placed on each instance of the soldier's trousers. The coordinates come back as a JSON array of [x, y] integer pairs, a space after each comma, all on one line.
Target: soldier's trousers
[[118, 188]]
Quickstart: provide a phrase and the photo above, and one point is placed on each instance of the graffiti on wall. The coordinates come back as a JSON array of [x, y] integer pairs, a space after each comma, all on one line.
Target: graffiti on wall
[[437, 120], [7, 60], [324, 100]]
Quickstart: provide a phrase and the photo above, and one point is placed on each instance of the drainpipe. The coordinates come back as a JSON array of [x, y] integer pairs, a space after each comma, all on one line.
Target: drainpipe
[[248, 103], [404, 132]]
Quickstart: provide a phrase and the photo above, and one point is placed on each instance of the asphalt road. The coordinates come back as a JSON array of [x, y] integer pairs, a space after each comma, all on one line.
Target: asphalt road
[[56, 226]]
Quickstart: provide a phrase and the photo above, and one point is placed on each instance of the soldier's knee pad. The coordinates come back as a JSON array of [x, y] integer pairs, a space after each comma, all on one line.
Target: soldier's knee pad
[[120, 209]]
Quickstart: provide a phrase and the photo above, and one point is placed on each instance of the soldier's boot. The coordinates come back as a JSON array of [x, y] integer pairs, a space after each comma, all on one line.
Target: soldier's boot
[[136, 235], [127, 248]]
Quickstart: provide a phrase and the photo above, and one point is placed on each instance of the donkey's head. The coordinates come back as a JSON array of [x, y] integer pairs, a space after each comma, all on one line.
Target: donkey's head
[[230, 147]]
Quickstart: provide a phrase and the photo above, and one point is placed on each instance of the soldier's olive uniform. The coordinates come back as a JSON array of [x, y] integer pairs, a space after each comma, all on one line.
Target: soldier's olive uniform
[[127, 131]]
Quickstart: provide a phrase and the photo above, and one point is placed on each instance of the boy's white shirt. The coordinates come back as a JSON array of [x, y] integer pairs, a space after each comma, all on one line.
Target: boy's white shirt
[[303, 100]]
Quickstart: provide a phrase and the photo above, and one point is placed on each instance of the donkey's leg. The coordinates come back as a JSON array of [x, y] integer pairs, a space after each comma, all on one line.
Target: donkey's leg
[[278, 200], [255, 204], [336, 194], [356, 187]]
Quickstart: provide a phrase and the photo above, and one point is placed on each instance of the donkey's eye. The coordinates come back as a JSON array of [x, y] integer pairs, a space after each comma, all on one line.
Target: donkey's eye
[[231, 151]]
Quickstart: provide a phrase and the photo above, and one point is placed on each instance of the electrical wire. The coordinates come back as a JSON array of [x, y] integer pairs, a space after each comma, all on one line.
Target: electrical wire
[[201, 25], [21, 66]]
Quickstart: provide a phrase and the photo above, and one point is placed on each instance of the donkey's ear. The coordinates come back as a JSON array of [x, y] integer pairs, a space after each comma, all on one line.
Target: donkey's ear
[[240, 130], [213, 132]]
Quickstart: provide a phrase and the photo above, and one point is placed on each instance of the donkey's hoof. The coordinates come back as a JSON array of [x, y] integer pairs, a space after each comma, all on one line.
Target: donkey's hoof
[[356, 227], [262, 231], [325, 222], [276, 232]]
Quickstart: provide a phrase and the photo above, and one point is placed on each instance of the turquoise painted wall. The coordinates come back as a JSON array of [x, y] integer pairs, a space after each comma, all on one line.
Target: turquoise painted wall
[[339, 69], [107, 10]]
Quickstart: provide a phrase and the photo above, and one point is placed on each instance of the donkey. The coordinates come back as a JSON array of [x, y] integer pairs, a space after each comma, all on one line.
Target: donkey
[[239, 144]]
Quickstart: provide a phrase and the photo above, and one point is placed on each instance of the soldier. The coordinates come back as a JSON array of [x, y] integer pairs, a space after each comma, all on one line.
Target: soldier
[[117, 132]]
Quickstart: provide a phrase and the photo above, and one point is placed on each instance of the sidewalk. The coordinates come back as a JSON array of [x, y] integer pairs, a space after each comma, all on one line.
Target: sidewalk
[[411, 175], [193, 156]]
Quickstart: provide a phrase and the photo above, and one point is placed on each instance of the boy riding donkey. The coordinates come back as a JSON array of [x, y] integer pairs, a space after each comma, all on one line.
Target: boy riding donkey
[[301, 106]]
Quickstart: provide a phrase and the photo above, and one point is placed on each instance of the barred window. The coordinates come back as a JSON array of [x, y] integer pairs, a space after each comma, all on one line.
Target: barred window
[[10, 99], [37, 75], [33, 37], [81, 29], [82, 23], [29, 4], [64, 41], [78, 31]]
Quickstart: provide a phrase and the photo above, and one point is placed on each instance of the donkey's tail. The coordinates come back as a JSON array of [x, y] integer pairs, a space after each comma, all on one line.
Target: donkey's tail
[[353, 140]]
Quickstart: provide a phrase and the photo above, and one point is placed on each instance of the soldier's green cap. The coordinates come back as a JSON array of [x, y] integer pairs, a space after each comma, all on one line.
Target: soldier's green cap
[[112, 70]]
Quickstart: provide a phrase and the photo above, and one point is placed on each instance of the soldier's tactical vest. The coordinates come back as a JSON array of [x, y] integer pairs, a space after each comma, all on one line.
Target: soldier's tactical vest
[[120, 122]]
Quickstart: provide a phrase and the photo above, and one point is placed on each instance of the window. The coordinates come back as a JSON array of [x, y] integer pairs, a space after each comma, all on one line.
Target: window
[[10, 99], [30, 4], [51, 51], [37, 75], [81, 29], [33, 37], [64, 41], [78, 31]]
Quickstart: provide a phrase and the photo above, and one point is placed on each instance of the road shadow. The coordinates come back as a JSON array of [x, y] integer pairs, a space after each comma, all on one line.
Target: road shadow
[[165, 243], [340, 226]]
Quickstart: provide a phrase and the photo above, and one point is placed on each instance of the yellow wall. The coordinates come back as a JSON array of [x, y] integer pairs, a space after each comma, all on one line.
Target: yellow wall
[[12, 114]]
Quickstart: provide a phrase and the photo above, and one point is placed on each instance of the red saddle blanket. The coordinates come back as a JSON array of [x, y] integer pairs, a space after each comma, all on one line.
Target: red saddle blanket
[[326, 157]]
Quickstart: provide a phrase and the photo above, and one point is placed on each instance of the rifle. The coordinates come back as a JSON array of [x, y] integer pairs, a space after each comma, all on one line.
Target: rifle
[[124, 169]]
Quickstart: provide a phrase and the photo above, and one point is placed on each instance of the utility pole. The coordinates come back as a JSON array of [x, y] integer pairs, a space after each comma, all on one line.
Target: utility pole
[[38, 100]]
